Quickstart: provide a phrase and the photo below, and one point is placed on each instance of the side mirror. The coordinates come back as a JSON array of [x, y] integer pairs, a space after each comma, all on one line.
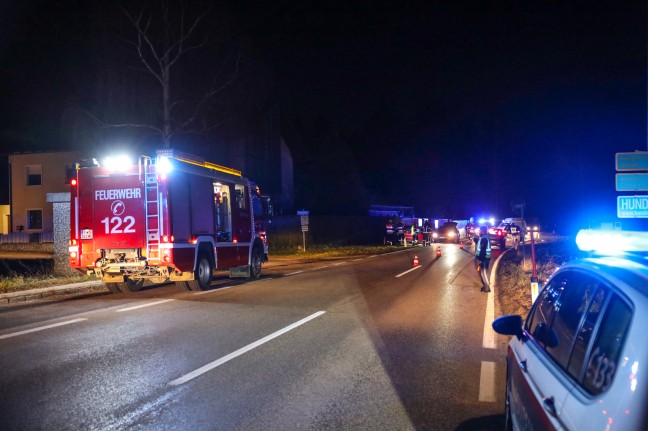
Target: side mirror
[[508, 325]]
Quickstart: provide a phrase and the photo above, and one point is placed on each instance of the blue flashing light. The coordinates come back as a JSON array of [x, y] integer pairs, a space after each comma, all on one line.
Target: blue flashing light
[[611, 241], [164, 165]]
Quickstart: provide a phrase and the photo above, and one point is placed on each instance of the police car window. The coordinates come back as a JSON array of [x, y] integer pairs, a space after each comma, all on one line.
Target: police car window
[[574, 300], [603, 359], [575, 368], [538, 323]]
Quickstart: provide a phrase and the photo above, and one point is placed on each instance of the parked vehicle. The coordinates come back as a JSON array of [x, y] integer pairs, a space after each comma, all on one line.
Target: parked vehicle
[[505, 231], [173, 217], [448, 232], [578, 360]]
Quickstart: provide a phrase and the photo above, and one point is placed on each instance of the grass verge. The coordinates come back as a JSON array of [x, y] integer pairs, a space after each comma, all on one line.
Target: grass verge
[[324, 252], [18, 283], [515, 269]]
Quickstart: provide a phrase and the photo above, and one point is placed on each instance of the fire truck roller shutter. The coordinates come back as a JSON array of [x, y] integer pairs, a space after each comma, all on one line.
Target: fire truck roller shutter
[[178, 198], [202, 208]]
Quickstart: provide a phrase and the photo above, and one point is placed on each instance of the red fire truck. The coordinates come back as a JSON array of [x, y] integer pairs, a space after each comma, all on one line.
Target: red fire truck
[[172, 217]]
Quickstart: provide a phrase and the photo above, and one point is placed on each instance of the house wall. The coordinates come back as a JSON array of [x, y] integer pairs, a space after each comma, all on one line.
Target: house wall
[[5, 211], [25, 197]]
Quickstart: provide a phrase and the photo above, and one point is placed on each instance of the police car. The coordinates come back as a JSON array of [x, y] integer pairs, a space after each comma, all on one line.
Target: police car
[[579, 360]]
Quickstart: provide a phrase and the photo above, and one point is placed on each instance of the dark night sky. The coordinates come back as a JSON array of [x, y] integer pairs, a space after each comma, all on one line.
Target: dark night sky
[[457, 108]]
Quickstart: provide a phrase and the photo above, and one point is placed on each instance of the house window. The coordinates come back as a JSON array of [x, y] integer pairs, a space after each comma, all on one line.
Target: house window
[[34, 175], [34, 219]]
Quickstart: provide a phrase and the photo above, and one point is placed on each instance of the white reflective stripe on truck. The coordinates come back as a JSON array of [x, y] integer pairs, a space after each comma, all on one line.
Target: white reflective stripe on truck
[[76, 217]]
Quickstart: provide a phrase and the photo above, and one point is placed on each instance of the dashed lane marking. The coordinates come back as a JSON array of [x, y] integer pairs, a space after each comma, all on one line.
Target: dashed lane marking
[[205, 368], [487, 382], [41, 328], [409, 270], [148, 304]]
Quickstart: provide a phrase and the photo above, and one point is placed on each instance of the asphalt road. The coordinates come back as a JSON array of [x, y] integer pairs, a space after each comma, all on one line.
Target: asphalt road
[[358, 343]]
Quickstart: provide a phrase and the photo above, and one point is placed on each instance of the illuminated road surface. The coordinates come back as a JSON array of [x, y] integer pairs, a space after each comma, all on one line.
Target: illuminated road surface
[[365, 343]]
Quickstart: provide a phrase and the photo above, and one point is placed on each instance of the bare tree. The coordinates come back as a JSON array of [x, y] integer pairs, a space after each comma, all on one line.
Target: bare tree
[[162, 39]]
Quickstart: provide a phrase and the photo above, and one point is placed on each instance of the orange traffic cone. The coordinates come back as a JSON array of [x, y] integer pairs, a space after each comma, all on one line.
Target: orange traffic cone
[[461, 245], [438, 251], [415, 261]]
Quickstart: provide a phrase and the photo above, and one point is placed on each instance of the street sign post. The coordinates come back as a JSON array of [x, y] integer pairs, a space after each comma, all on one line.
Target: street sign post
[[632, 206], [635, 161], [303, 214], [632, 182]]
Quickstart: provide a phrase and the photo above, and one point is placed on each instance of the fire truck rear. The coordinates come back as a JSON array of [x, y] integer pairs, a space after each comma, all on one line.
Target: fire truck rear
[[172, 217]]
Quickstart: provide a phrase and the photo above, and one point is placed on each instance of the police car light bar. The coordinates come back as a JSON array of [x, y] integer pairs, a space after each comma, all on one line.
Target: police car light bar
[[611, 241]]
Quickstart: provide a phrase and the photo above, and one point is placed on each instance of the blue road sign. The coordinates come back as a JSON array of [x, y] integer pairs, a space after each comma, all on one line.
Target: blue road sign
[[631, 182], [636, 161], [632, 206]]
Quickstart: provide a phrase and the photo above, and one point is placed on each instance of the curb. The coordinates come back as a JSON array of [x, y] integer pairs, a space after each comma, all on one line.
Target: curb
[[45, 292]]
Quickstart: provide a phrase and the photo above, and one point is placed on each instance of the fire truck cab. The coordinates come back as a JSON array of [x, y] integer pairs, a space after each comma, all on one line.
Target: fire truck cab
[[172, 217]]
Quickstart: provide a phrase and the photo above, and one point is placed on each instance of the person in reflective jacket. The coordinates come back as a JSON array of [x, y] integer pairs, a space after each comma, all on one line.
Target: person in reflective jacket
[[483, 254]]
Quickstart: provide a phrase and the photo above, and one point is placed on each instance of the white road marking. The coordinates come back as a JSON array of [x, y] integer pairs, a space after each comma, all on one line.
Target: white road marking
[[148, 304], [487, 382], [339, 263], [296, 272], [239, 352], [218, 289], [41, 328], [488, 341], [409, 270], [320, 267]]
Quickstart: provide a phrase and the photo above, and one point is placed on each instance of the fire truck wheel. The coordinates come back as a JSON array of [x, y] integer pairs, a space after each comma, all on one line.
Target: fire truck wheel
[[255, 264], [113, 287], [202, 275], [132, 285]]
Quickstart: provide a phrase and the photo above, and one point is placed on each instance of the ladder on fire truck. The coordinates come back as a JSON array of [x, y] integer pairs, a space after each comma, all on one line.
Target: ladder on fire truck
[[151, 209]]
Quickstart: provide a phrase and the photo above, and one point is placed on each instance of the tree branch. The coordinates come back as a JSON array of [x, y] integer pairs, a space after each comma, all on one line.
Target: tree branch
[[103, 124], [142, 38]]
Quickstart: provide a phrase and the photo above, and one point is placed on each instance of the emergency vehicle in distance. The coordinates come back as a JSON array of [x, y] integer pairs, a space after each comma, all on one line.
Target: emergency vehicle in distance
[[174, 217]]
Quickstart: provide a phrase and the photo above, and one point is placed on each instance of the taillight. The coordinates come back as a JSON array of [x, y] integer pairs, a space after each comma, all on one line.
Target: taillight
[[73, 242], [166, 255], [168, 238]]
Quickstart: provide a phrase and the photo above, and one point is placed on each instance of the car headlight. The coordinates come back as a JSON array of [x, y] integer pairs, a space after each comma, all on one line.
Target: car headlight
[[435, 235], [451, 234]]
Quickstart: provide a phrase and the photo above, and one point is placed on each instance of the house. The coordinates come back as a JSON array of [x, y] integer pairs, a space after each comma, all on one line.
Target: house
[[32, 177]]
